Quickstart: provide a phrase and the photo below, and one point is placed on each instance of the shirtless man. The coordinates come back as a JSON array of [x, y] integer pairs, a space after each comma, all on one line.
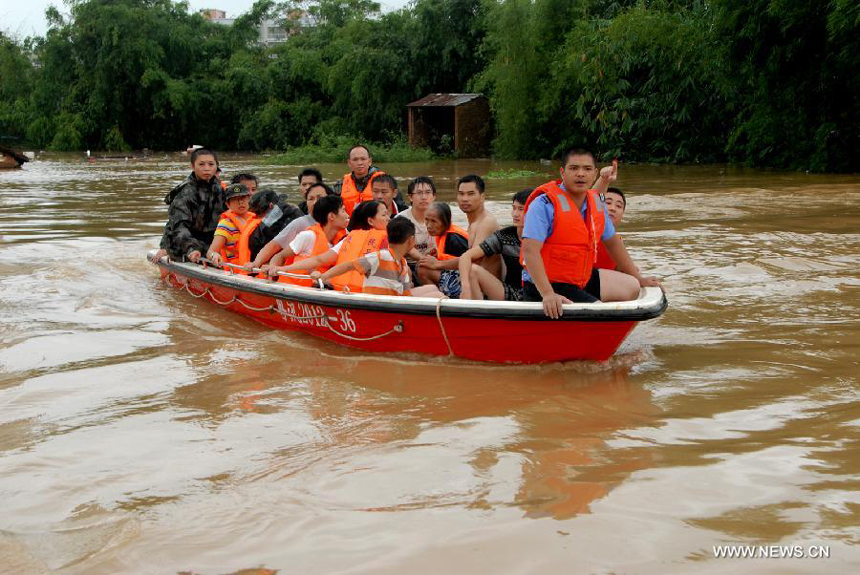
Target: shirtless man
[[476, 282], [482, 224]]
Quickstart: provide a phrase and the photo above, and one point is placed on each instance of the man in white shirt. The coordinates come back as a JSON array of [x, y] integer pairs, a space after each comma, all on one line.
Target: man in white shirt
[[289, 233], [422, 193]]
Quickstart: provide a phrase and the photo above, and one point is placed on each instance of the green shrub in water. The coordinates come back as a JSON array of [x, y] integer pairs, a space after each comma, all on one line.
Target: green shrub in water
[[511, 174]]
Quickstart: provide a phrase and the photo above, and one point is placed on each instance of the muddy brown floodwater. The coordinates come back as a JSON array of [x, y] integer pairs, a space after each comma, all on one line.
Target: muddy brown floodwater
[[143, 431]]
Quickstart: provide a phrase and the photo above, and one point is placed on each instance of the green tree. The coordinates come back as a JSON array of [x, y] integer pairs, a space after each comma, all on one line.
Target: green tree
[[16, 79], [444, 43], [144, 69], [115, 142], [795, 75], [15, 70], [645, 84], [513, 75], [68, 136], [338, 13], [522, 41]]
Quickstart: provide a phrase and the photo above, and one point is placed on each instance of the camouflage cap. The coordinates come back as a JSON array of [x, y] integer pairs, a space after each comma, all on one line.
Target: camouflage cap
[[237, 190]]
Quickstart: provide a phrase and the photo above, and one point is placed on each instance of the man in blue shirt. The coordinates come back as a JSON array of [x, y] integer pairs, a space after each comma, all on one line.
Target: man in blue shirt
[[577, 176]]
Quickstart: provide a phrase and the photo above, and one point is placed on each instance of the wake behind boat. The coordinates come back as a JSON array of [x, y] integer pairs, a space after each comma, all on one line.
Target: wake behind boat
[[490, 331]]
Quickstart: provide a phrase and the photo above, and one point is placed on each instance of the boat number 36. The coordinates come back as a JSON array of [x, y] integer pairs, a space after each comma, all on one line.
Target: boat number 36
[[346, 323]]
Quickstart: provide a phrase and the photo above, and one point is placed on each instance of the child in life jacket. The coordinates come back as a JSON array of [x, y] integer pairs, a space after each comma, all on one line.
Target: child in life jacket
[[385, 272], [367, 234], [224, 247]]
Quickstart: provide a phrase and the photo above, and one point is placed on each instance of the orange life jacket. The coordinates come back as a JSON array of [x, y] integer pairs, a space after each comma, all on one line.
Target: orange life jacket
[[443, 239], [321, 246], [604, 260], [569, 252], [242, 247], [350, 194], [395, 268], [232, 256], [357, 243]]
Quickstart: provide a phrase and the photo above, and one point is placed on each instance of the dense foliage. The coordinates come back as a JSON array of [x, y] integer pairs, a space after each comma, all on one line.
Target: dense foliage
[[768, 82]]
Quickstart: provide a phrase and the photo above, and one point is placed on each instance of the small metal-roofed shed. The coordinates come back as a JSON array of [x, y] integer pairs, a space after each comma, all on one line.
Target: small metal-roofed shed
[[451, 122], [9, 158]]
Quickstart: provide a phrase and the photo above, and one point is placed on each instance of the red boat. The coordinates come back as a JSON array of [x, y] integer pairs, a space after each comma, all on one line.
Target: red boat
[[492, 331]]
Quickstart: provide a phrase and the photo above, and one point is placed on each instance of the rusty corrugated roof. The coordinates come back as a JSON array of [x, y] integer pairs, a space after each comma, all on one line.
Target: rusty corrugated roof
[[19, 157], [444, 100]]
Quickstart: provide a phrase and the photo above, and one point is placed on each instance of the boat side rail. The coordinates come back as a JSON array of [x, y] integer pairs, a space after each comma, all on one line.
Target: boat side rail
[[231, 266], [651, 303]]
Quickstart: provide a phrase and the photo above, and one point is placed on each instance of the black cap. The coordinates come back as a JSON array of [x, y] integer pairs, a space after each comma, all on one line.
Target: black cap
[[237, 190]]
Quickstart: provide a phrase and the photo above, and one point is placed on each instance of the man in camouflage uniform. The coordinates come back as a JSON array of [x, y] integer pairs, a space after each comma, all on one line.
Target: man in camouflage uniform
[[195, 208]]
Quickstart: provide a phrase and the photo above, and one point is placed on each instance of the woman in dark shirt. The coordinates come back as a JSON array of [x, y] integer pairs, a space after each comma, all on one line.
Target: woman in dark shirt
[[451, 242]]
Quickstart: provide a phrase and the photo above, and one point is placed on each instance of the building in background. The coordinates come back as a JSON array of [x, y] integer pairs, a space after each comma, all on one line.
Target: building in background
[[213, 14], [446, 123], [271, 32]]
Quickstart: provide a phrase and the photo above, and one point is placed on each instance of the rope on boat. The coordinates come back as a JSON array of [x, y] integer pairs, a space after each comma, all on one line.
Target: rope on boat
[[252, 308], [209, 292], [188, 289], [441, 326], [397, 328]]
